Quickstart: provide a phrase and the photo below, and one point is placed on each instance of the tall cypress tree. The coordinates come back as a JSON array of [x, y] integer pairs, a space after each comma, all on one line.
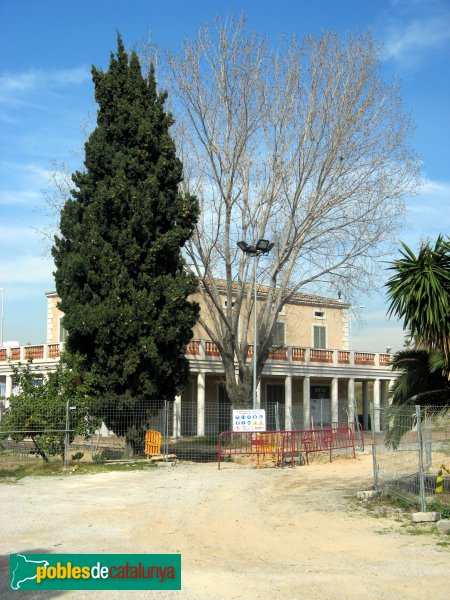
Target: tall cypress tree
[[120, 273]]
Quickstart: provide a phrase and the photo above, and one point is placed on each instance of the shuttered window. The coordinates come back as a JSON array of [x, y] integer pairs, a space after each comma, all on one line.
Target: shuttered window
[[320, 336], [279, 334], [62, 332]]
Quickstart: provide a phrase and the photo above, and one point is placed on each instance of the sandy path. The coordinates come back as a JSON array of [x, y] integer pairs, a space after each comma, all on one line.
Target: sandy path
[[243, 533]]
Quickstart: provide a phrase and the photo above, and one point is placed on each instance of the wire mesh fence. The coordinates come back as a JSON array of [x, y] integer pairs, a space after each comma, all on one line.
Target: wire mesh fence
[[412, 455], [186, 431]]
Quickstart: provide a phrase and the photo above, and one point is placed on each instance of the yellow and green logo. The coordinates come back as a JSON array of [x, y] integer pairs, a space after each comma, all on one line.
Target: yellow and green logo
[[95, 571]]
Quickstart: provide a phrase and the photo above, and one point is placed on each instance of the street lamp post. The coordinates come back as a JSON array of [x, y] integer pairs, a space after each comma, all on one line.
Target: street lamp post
[[260, 248]]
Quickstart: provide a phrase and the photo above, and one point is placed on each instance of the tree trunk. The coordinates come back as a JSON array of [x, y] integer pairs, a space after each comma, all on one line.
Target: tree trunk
[[39, 450]]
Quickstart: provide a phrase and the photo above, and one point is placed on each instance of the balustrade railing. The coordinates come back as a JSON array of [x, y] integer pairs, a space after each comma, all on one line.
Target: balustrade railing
[[298, 354], [343, 357], [53, 351], [193, 348], [208, 350], [278, 354], [324, 356], [364, 358], [33, 352], [211, 349]]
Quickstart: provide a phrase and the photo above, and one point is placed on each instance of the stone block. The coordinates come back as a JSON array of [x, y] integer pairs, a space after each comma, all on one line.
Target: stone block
[[426, 517], [368, 494], [443, 525]]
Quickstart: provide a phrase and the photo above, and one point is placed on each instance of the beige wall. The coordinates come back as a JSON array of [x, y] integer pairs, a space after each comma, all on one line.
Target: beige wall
[[299, 319], [53, 317]]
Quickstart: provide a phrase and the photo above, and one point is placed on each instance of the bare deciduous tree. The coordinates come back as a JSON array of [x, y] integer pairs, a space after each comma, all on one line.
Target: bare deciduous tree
[[304, 145]]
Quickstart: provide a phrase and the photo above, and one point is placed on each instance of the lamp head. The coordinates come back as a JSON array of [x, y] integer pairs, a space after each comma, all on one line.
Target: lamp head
[[243, 246], [262, 245]]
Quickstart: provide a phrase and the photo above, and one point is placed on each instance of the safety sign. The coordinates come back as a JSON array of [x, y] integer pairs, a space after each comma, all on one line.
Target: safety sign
[[249, 420]]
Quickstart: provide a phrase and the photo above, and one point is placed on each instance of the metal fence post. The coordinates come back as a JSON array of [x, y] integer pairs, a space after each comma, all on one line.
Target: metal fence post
[[66, 438], [277, 417], [423, 504], [374, 447], [429, 440], [165, 429]]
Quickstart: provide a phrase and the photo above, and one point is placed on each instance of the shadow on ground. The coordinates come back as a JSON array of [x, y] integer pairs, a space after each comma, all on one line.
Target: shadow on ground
[[6, 593]]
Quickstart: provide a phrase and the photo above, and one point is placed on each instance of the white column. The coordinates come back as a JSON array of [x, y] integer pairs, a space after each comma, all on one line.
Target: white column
[[8, 386], [365, 398], [177, 417], [351, 401], [376, 404], [288, 403], [258, 394], [334, 400], [306, 403], [201, 382]]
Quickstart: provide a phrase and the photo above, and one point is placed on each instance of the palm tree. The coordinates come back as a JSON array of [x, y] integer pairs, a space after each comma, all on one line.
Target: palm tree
[[419, 293]]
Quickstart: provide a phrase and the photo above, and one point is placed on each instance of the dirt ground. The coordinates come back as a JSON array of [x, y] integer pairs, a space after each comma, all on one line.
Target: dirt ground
[[244, 533]]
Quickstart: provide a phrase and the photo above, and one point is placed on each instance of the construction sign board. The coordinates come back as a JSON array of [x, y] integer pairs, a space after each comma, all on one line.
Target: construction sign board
[[249, 420]]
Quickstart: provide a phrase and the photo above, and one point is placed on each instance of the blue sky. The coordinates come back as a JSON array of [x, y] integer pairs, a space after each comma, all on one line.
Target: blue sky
[[47, 48]]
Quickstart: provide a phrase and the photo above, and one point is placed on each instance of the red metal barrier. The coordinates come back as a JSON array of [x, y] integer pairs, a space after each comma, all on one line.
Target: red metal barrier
[[357, 428], [321, 440], [285, 443], [257, 445]]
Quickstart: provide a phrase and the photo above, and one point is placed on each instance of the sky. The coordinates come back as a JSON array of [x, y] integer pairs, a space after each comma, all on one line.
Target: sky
[[47, 48]]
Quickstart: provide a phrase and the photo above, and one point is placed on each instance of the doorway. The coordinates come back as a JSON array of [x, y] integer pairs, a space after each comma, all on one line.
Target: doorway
[[274, 406], [320, 406]]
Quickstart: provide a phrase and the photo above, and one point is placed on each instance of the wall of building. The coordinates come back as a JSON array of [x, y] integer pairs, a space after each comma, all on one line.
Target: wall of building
[[299, 321]]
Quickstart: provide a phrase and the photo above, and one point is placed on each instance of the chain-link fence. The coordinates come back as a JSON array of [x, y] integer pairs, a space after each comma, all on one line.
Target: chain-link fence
[[411, 455], [187, 431]]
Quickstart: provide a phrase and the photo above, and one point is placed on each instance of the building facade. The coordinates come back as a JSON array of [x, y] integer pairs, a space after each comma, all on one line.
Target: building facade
[[308, 381]]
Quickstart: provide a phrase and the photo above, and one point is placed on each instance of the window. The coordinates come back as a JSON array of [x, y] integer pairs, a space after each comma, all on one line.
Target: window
[[319, 314], [62, 332], [320, 336], [279, 332]]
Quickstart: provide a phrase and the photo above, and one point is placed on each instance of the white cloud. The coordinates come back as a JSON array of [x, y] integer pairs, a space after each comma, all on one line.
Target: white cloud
[[430, 209], [440, 189], [13, 197], [10, 235], [406, 43], [30, 171], [26, 182], [15, 84]]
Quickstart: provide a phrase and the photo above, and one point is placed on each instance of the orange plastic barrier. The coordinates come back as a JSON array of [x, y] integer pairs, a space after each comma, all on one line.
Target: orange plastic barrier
[[266, 444], [152, 442]]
